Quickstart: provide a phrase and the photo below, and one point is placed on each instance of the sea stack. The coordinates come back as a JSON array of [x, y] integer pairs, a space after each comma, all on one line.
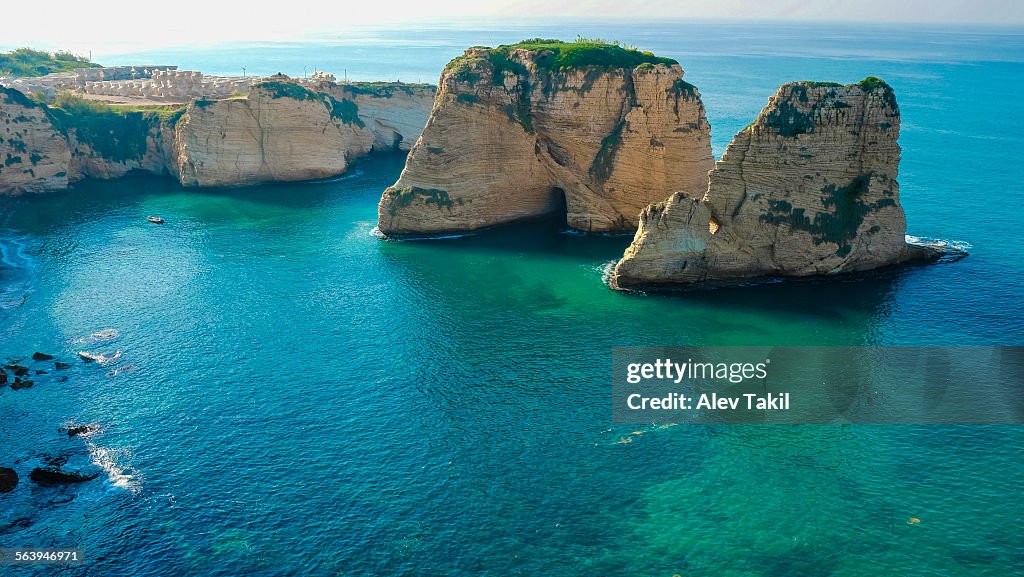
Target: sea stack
[[542, 127], [809, 188]]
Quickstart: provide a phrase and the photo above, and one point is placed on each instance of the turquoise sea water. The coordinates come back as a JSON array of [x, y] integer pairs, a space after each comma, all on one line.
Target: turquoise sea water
[[296, 396]]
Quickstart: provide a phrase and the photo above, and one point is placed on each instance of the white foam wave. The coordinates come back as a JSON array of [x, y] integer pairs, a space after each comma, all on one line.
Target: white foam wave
[[959, 245], [356, 174], [119, 476], [377, 233], [98, 336], [606, 269], [99, 357], [122, 369]]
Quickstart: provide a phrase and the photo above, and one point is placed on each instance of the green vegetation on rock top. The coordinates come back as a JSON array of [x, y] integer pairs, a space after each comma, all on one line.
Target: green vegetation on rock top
[[288, 90], [344, 110], [117, 135], [167, 113], [29, 62], [15, 96], [383, 89], [583, 52], [815, 84], [873, 82]]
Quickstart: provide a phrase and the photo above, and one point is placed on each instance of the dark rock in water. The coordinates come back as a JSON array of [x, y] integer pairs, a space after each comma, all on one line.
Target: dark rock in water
[[80, 430], [41, 372], [58, 461], [50, 476], [62, 379], [37, 356], [20, 523], [62, 500], [61, 366], [20, 384], [8, 479], [18, 370], [3, 378]]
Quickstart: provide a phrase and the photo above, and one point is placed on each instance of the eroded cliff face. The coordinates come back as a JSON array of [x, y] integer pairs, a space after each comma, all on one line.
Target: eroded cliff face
[[34, 155], [154, 154], [280, 132], [394, 113], [511, 138], [809, 188]]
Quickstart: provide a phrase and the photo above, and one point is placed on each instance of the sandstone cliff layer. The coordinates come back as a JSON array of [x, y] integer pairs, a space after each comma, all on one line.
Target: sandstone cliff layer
[[532, 129], [809, 188], [34, 156], [280, 131]]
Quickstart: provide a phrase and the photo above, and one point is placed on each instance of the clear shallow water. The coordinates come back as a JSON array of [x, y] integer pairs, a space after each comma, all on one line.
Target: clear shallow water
[[309, 399]]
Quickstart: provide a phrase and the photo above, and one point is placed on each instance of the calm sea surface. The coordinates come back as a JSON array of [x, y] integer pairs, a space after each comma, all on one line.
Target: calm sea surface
[[295, 396]]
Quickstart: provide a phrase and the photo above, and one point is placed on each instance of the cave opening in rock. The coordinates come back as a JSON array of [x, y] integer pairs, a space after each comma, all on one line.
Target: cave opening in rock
[[558, 214]]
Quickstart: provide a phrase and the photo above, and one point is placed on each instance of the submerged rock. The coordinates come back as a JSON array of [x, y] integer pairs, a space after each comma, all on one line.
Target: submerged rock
[[809, 188], [543, 127], [18, 370], [50, 476], [37, 356], [21, 384], [75, 430], [61, 366], [8, 479]]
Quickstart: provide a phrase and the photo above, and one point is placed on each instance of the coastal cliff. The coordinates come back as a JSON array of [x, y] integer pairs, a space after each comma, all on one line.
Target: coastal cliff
[[280, 131], [34, 155], [536, 128], [809, 188]]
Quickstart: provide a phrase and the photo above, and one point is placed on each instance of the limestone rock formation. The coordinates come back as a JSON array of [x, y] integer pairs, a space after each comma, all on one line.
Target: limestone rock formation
[[809, 188], [53, 476], [89, 159], [282, 131], [394, 113], [530, 129], [34, 155]]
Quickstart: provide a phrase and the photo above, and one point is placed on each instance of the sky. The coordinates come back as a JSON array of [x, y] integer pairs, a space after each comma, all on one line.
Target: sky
[[127, 25]]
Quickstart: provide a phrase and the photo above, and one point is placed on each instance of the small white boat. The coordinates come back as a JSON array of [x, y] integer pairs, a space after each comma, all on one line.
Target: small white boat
[[155, 219]]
